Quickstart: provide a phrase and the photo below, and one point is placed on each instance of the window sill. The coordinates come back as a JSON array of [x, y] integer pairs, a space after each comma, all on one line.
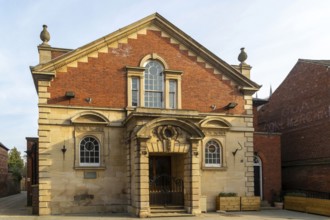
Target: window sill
[[215, 168], [90, 168]]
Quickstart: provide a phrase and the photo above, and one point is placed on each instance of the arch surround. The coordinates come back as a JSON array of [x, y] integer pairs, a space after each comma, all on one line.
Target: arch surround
[[89, 117], [178, 139], [191, 128]]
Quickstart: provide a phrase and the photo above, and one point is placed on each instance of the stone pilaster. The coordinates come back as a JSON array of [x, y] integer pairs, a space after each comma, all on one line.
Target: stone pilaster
[[45, 160], [129, 143], [249, 174], [192, 178], [195, 176]]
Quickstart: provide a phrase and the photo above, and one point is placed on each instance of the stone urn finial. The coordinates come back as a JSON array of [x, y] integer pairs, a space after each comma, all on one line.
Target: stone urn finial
[[242, 56], [44, 35]]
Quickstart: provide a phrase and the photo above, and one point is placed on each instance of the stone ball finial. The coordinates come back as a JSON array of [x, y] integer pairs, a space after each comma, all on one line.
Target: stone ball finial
[[44, 35], [242, 56]]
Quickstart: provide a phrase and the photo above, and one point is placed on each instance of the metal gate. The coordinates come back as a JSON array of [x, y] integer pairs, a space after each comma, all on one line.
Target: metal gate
[[166, 190]]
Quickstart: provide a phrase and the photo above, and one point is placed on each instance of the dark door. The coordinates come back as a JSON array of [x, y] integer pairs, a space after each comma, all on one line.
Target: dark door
[[256, 180], [159, 166], [257, 176], [164, 189]]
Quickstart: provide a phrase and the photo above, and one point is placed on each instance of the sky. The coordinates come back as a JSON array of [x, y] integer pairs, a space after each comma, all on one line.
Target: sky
[[275, 34]]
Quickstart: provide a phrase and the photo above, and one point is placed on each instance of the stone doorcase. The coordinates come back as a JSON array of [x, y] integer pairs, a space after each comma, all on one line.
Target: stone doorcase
[[163, 136]]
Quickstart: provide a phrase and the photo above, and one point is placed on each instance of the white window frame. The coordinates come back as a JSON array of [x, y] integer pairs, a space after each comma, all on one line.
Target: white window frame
[[173, 90], [218, 145], [135, 89], [154, 84], [139, 71], [90, 164]]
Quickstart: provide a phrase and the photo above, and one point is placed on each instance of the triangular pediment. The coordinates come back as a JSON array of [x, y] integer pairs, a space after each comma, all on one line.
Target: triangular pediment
[[153, 22]]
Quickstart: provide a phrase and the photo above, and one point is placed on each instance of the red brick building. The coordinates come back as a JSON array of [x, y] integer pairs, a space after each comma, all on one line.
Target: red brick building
[[3, 169], [300, 110], [267, 150], [32, 172]]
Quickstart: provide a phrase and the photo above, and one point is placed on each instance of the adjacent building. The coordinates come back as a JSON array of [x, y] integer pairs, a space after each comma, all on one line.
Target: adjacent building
[[3, 169], [32, 172], [143, 117], [300, 110], [267, 158]]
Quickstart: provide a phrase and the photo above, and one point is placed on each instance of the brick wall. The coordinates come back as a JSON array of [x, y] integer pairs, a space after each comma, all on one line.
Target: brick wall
[[3, 162], [299, 108], [35, 200], [3, 170], [104, 78], [307, 177], [31, 171], [268, 148]]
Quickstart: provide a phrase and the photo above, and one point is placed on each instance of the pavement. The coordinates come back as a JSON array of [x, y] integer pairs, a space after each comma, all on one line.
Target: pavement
[[14, 208]]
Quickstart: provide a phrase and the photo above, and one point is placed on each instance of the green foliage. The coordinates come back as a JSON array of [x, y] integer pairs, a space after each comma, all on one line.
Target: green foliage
[[229, 194], [15, 163]]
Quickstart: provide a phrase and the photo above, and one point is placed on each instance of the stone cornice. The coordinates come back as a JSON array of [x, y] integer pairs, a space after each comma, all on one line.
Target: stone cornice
[[57, 49], [135, 68], [81, 107], [41, 76], [156, 113], [248, 90]]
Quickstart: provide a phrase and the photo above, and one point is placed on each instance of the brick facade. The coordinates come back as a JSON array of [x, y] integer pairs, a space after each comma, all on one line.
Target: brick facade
[[107, 71], [299, 109], [3, 169], [32, 168], [267, 146]]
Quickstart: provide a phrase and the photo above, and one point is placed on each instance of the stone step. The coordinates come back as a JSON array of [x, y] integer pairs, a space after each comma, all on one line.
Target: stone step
[[159, 215], [168, 211], [166, 207]]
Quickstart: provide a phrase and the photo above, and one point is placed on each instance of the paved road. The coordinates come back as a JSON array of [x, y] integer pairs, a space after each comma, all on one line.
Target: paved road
[[14, 205], [14, 208]]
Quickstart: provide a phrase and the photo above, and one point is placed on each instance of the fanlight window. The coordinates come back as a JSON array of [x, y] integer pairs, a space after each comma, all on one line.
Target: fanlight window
[[212, 154], [154, 85], [89, 152]]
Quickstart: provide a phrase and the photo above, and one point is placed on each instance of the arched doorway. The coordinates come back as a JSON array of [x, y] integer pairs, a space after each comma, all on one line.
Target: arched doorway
[[257, 176], [166, 150], [166, 186]]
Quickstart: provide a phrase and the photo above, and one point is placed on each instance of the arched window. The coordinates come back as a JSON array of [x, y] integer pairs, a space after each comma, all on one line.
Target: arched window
[[89, 152], [154, 84], [213, 154]]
